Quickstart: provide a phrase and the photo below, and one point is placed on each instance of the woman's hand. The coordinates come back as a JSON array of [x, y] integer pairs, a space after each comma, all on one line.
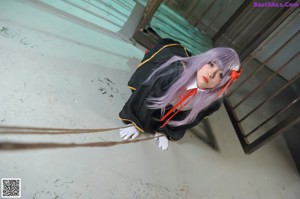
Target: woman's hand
[[163, 141], [128, 132]]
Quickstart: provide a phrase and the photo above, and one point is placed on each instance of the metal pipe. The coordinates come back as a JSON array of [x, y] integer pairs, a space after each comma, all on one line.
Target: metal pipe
[[150, 9], [250, 57], [270, 97], [272, 94], [268, 79], [276, 130], [274, 115], [264, 63], [265, 31]]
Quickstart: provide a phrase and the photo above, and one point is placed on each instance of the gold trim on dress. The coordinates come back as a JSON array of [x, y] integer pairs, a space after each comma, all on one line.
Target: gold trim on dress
[[134, 124], [185, 50], [168, 45], [132, 88], [165, 46], [184, 68], [183, 65]]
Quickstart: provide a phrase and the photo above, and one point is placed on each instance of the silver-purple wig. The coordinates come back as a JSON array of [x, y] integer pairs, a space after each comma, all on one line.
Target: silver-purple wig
[[225, 58]]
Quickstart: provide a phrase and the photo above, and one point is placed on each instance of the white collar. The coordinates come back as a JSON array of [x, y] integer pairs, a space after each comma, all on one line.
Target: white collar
[[193, 85]]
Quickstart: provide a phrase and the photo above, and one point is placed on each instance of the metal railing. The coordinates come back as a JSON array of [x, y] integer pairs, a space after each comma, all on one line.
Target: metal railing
[[275, 109]]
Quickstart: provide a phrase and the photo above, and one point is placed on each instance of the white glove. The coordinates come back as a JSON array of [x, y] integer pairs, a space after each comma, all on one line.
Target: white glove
[[163, 141], [128, 132]]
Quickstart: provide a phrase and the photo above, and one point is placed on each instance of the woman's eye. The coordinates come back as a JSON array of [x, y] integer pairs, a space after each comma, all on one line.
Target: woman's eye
[[221, 75], [211, 64]]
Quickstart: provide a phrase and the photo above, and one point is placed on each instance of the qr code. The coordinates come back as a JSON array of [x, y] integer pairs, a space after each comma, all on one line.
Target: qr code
[[10, 188]]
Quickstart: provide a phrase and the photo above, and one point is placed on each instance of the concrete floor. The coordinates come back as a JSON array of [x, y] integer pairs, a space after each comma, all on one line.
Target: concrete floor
[[57, 72]]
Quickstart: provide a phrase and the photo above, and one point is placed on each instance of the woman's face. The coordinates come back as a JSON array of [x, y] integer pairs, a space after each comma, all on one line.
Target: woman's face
[[209, 76]]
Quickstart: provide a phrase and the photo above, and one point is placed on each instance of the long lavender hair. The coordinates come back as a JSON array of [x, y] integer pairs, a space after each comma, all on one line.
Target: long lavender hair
[[225, 58]]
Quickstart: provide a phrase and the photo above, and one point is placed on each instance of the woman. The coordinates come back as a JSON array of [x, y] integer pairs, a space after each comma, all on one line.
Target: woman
[[173, 92]]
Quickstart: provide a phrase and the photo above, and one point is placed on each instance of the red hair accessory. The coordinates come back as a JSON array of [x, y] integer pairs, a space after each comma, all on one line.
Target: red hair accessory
[[233, 77]]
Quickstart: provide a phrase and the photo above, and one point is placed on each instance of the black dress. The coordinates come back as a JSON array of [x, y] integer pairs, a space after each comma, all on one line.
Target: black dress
[[135, 110]]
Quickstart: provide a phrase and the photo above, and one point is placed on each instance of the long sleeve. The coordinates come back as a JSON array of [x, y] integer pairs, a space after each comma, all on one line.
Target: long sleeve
[[160, 53], [136, 111]]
